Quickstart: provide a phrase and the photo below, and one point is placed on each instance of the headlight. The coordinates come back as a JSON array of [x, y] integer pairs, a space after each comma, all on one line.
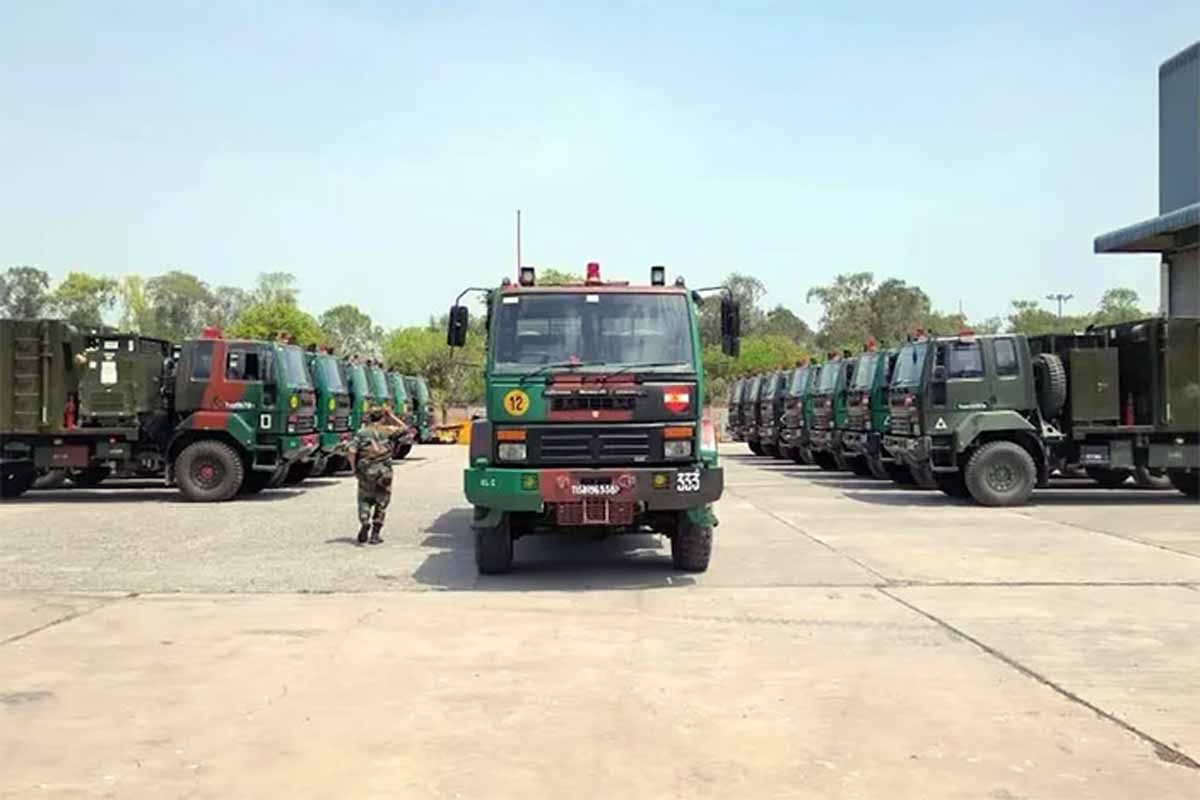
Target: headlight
[[678, 449], [511, 451]]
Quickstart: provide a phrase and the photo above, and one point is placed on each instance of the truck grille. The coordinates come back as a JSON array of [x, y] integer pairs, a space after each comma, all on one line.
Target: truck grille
[[612, 444], [900, 424]]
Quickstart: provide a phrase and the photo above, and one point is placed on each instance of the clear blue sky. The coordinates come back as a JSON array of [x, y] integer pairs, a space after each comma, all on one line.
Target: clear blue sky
[[378, 150]]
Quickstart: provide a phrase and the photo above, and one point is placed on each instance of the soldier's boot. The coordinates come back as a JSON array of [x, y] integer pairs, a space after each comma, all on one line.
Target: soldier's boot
[[362, 532], [375, 537]]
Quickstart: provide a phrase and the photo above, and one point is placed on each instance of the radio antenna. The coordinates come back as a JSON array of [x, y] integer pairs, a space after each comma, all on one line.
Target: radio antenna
[[518, 243]]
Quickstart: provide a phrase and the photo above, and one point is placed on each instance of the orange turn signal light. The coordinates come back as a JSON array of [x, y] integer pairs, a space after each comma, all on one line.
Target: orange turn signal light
[[510, 435], [679, 433]]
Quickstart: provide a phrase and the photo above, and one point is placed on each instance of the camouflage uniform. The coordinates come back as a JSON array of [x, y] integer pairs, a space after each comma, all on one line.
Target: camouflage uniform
[[372, 450]]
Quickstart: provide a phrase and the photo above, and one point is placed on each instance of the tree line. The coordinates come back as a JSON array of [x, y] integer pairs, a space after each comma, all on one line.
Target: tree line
[[177, 305]]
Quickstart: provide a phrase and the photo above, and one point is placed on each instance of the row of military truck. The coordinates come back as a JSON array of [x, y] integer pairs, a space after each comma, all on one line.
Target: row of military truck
[[991, 417], [215, 417]]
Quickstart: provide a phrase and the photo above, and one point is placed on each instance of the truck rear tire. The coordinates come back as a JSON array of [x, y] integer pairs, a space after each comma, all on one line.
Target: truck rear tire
[[1001, 474], [691, 545], [1148, 478], [1050, 379], [299, 472], [15, 479], [89, 477], [1186, 482], [494, 548], [755, 448], [209, 471], [1107, 477], [953, 484]]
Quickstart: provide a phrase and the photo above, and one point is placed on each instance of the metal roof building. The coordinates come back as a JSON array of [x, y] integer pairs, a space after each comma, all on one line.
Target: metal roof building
[[1175, 232]]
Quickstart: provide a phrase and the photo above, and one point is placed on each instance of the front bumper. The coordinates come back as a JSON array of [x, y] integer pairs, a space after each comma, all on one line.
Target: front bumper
[[666, 488], [909, 450], [854, 443], [335, 443]]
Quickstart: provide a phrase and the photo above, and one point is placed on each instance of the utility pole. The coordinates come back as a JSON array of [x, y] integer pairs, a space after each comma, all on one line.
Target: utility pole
[[1061, 298]]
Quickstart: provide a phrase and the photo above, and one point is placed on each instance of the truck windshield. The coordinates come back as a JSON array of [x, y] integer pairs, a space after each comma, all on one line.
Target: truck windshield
[[909, 364], [379, 389], [331, 376], [864, 374], [770, 385], [829, 376], [295, 371], [358, 380], [422, 391], [799, 378], [398, 389], [600, 330]]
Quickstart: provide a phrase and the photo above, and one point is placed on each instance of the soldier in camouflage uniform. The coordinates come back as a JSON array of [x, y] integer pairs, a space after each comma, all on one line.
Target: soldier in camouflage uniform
[[371, 460]]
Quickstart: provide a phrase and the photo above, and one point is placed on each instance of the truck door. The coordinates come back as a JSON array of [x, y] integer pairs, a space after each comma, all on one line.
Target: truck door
[[958, 383], [1008, 390]]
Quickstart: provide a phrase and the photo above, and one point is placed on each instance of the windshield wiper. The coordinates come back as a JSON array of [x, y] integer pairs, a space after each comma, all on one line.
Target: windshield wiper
[[557, 365], [646, 365]]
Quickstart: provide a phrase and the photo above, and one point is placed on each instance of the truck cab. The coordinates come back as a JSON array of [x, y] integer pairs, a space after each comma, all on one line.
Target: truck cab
[[402, 443], [245, 411], [422, 406], [334, 409], [770, 408], [595, 420], [829, 413], [732, 425], [791, 420], [748, 413], [866, 412]]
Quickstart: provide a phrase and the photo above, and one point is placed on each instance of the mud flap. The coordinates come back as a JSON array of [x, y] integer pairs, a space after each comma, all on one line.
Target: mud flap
[[703, 516]]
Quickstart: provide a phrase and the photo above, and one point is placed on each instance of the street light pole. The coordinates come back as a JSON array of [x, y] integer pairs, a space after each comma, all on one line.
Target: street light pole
[[1061, 298]]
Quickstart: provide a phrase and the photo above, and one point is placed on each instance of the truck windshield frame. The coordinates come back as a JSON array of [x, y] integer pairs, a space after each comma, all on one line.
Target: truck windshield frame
[[864, 373], [331, 374], [910, 364], [600, 330]]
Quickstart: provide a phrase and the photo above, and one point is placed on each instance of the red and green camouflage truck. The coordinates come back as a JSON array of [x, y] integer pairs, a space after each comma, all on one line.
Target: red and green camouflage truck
[[595, 417], [242, 412], [216, 416]]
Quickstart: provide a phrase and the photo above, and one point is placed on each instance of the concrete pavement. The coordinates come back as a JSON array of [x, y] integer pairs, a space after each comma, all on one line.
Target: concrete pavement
[[850, 640]]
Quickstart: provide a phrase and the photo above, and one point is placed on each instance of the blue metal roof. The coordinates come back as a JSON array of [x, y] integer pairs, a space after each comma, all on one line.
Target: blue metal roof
[[1165, 233]]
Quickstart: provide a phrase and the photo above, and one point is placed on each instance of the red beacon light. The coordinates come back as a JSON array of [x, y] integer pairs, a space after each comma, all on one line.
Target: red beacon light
[[211, 332], [966, 333], [593, 272], [871, 345]]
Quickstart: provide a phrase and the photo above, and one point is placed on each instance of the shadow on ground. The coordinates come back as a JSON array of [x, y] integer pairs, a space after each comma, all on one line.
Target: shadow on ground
[[548, 562]]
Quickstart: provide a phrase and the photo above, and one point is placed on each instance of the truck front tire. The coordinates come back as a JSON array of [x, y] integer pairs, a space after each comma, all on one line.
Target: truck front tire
[[691, 545], [1001, 474], [494, 548], [1186, 482], [209, 472], [15, 479]]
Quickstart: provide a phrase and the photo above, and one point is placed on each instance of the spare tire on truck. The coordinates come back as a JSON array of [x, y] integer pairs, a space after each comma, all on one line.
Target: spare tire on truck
[[1050, 380]]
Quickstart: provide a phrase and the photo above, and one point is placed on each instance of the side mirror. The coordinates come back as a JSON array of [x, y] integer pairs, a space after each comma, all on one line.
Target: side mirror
[[939, 374], [456, 329], [731, 326]]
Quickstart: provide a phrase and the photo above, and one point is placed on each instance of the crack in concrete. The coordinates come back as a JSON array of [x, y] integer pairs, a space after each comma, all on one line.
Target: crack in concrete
[[105, 603], [1163, 750], [1121, 536]]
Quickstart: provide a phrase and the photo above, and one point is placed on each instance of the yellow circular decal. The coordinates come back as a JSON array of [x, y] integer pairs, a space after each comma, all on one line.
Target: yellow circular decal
[[516, 403], [332, 404], [294, 402]]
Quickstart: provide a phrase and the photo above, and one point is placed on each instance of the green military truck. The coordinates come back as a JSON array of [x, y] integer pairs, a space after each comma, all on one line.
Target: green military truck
[[595, 419], [867, 412], [402, 443], [770, 409], [422, 407], [829, 413], [334, 412], [747, 426], [793, 443], [731, 413], [992, 416], [216, 417]]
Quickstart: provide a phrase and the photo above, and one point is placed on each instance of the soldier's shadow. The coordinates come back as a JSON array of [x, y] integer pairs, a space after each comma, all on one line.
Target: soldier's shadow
[[548, 562]]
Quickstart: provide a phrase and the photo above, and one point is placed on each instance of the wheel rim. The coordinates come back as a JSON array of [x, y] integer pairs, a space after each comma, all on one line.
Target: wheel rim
[[1001, 477], [207, 474]]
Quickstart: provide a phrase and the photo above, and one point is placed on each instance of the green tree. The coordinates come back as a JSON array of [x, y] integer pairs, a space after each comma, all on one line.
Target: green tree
[[1029, 318], [228, 303], [180, 305], [24, 292], [557, 277], [350, 331], [269, 321], [82, 299], [848, 308], [748, 292], [781, 321], [1119, 305], [455, 376], [136, 314], [274, 288]]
